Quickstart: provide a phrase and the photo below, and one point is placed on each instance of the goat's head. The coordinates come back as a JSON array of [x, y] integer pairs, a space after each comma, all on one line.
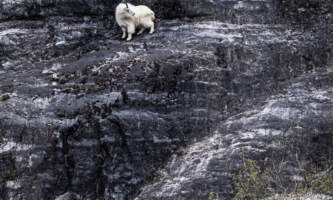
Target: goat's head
[[129, 11]]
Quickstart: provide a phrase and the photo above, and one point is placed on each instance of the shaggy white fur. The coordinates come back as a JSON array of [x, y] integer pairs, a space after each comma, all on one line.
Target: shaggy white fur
[[132, 17]]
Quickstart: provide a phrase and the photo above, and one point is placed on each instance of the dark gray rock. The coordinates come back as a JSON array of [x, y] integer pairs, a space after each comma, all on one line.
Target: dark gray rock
[[233, 11], [303, 113], [89, 116]]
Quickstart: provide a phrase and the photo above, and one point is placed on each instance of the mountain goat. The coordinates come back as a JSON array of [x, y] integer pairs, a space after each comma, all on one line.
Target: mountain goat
[[130, 17]]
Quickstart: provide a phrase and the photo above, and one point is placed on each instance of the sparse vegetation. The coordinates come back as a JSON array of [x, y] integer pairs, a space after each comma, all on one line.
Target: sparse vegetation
[[250, 182], [213, 196], [4, 97], [254, 182], [322, 183]]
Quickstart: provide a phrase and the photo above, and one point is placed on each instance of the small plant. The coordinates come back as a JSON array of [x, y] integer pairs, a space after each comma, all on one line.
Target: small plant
[[4, 97], [213, 196], [250, 182], [10, 175], [322, 184]]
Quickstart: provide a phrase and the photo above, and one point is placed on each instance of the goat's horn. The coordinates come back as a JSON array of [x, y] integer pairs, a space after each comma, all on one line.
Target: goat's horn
[[126, 4]]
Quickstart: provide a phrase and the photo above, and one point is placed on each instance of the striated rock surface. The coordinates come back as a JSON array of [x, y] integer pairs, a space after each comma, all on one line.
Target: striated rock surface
[[229, 10], [84, 115], [303, 114]]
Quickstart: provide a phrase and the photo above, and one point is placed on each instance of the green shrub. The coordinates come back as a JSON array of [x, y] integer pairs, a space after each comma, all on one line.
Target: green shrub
[[250, 182], [322, 184], [253, 183]]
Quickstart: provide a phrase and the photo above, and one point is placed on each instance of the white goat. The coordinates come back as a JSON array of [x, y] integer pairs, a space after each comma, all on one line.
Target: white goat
[[130, 17]]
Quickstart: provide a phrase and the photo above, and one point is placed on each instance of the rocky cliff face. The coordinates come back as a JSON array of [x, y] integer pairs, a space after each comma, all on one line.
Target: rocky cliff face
[[84, 115]]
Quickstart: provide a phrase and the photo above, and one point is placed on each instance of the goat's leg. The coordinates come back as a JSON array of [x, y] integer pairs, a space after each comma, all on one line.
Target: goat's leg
[[152, 28], [141, 30], [124, 32], [130, 31]]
